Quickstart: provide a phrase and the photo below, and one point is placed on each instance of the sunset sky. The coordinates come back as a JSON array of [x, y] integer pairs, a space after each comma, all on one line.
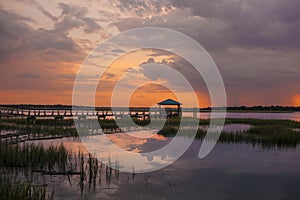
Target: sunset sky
[[254, 43]]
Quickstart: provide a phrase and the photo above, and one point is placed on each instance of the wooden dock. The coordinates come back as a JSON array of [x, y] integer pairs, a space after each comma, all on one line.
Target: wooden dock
[[58, 112]]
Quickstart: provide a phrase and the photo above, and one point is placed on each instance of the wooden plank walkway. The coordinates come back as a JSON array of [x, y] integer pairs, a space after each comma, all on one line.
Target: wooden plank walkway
[[61, 112]]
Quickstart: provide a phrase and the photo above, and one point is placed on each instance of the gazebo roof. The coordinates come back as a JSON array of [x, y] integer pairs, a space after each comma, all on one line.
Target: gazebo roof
[[169, 102]]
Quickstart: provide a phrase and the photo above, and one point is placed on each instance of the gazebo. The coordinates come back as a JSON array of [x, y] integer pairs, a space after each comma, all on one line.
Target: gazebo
[[170, 112]]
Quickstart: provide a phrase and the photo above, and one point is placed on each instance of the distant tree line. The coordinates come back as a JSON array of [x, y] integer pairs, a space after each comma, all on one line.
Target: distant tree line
[[258, 108]]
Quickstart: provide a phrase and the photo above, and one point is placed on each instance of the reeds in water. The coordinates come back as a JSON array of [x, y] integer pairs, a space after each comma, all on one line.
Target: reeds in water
[[26, 191]]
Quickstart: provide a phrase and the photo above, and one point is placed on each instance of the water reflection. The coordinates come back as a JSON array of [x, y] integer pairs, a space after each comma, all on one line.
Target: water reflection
[[107, 147], [289, 116], [230, 171], [231, 128]]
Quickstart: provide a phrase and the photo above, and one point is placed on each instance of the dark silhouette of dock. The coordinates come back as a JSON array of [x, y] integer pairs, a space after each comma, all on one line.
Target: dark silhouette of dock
[[59, 112]]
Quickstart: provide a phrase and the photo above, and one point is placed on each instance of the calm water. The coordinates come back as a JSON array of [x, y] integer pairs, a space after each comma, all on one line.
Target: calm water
[[292, 116], [234, 171], [231, 128], [229, 172]]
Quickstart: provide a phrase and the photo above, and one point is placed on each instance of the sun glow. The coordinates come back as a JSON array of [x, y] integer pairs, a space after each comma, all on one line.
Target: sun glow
[[296, 100]]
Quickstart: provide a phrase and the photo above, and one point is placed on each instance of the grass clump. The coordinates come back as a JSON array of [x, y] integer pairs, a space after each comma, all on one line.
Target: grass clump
[[263, 133], [33, 156], [25, 191]]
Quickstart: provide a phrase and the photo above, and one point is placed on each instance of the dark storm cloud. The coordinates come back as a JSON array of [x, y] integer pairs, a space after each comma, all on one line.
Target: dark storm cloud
[[30, 58], [91, 26], [67, 24], [40, 8], [76, 17], [17, 37], [72, 10], [140, 8], [248, 24], [10, 33], [71, 17], [179, 64]]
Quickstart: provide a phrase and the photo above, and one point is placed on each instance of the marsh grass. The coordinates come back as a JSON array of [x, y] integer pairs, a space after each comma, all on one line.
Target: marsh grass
[[44, 121], [275, 135], [263, 133], [30, 160], [264, 122], [168, 131], [35, 157], [25, 191]]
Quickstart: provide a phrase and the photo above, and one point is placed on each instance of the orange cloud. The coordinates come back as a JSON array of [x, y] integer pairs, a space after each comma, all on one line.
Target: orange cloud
[[150, 94]]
